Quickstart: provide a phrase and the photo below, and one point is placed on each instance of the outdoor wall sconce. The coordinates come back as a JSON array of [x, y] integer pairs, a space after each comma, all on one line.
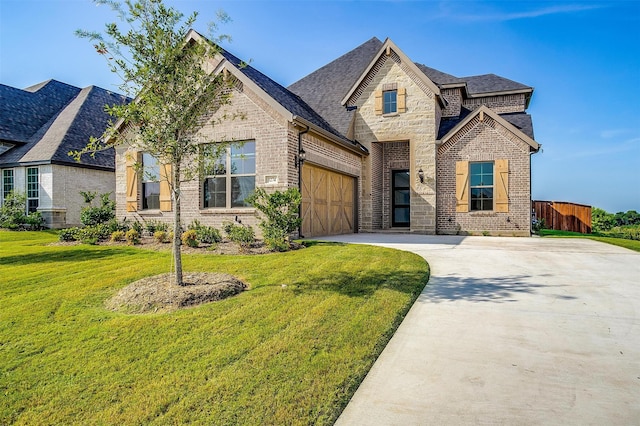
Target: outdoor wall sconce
[[508, 219], [299, 160], [421, 175]]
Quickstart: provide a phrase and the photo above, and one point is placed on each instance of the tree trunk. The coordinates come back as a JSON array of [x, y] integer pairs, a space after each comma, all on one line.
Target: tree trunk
[[177, 230]]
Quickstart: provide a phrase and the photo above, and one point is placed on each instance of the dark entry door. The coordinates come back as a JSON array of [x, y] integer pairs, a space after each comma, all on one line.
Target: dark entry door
[[400, 198]]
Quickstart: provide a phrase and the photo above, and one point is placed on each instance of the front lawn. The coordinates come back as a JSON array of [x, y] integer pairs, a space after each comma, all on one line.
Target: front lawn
[[621, 242], [275, 354]]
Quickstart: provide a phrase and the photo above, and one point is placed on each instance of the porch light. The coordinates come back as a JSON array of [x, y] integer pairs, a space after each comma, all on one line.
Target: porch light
[[421, 175]]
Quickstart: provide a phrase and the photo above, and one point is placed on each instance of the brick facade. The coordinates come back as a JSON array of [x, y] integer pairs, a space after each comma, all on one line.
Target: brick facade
[[485, 140]]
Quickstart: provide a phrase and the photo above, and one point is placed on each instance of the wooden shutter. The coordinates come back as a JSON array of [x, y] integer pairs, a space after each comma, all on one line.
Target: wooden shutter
[[132, 181], [501, 186], [402, 104], [378, 104], [165, 187], [462, 186]]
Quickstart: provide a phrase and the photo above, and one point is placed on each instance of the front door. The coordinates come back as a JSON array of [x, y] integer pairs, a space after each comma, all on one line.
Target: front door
[[400, 198]]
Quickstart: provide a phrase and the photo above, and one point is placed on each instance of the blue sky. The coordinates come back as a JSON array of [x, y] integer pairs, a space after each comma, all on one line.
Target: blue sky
[[582, 58]]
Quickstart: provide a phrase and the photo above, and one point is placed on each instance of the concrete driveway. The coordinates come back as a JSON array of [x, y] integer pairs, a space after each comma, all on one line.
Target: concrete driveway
[[510, 331]]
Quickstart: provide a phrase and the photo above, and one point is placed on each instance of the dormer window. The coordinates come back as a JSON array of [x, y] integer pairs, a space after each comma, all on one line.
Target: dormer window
[[389, 101]]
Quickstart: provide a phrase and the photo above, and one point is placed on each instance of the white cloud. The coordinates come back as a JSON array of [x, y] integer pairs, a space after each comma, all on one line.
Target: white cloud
[[512, 15]]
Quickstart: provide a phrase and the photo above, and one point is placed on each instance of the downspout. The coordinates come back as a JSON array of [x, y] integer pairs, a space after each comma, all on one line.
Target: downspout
[[299, 162]]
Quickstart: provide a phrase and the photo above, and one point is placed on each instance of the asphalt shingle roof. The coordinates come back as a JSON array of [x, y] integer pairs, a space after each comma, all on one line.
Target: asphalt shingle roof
[[289, 100], [488, 83], [324, 88], [51, 119]]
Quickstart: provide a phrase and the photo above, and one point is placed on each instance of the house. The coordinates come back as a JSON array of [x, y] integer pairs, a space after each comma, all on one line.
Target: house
[[373, 140], [38, 127]]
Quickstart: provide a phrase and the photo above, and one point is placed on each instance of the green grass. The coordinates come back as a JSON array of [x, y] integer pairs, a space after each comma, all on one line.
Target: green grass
[[621, 242], [271, 355]]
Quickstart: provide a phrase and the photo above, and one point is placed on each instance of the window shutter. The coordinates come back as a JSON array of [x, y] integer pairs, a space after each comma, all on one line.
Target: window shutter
[[402, 104], [502, 186], [165, 188], [462, 186], [378, 105], [132, 181]]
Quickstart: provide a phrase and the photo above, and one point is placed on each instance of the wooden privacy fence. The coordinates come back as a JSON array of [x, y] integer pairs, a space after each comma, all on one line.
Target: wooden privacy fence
[[564, 216]]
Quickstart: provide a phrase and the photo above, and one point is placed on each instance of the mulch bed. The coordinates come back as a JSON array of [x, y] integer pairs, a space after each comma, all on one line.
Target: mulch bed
[[160, 293]]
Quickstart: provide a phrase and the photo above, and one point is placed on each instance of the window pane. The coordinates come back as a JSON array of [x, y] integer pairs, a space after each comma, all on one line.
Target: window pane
[[7, 182], [32, 205], [151, 169], [390, 101], [475, 168], [215, 192], [32, 182], [243, 158], [213, 160], [401, 214], [401, 196], [401, 180], [151, 195], [241, 188]]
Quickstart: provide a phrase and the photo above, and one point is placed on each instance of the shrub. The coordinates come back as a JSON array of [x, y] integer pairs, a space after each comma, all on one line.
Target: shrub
[[93, 234], [35, 221], [137, 226], [91, 215], [205, 234], [151, 226], [190, 238], [281, 218], [601, 220], [240, 234], [69, 234], [12, 212], [117, 236], [133, 237], [160, 236], [538, 225]]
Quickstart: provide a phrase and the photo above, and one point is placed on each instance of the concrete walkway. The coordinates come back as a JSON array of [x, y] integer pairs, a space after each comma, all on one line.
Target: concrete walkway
[[510, 331]]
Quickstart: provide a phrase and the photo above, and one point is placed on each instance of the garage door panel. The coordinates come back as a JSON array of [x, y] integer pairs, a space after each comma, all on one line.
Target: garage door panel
[[328, 202]]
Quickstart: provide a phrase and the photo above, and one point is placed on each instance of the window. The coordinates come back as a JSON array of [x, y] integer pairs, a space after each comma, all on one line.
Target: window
[[389, 101], [33, 189], [231, 177], [481, 185], [150, 182], [7, 183]]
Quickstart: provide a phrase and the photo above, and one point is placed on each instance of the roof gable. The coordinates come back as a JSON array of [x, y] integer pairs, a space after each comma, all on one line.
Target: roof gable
[[387, 47], [481, 112]]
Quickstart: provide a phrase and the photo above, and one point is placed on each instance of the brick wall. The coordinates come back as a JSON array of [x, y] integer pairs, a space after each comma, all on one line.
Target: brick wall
[[454, 102], [485, 141], [256, 120], [499, 104]]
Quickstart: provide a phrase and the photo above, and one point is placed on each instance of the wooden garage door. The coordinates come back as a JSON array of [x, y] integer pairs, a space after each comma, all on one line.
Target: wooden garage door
[[327, 202]]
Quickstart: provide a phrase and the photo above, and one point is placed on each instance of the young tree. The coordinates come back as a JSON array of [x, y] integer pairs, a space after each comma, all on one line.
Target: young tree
[[174, 89]]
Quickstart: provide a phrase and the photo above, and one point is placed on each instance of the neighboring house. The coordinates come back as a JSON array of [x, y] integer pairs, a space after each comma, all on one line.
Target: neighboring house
[[374, 141], [38, 127]]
